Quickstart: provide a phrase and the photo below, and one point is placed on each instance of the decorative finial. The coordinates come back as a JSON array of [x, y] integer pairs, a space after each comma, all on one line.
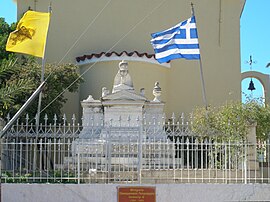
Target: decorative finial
[[192, 8], [89, 99], [142, 92], [250, 62], [50, 8], [105, 92], [157, 92]]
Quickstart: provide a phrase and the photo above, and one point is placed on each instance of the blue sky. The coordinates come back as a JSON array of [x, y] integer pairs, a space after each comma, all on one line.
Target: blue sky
[[255, 36], [255, 40], [8, 10]]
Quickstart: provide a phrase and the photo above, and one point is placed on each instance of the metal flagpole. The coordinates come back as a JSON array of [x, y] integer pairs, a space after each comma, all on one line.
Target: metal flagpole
[[201, 70], [203, 85], [21, 110], [40, 94], [41, 80]]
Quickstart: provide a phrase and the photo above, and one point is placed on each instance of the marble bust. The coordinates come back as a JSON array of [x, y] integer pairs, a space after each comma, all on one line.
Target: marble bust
[[122, 80]]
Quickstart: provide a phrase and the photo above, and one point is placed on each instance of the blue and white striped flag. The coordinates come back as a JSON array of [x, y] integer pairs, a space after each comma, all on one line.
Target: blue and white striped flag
[[180, 41]]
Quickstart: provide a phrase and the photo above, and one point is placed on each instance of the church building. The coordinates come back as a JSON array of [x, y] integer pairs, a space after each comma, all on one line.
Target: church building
[[97, 35]]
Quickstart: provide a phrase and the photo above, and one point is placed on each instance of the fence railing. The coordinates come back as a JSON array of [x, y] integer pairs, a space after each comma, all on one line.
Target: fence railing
[[146, 153]]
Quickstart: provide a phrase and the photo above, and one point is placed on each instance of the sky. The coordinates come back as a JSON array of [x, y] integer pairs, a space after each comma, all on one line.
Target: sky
[[255, 37], [255, 40], [8, 10]]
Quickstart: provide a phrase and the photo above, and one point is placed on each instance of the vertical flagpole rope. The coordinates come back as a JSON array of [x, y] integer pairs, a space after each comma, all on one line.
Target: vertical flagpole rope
[[124, 36], [201, 69]]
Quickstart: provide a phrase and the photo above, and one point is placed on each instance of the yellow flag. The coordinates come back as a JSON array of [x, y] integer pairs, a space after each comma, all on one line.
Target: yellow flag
[[30, 35]]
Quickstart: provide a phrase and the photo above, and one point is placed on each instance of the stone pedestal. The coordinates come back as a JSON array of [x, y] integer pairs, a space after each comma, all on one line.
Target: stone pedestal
[[92, 117], [154, 112], [252, 150], [123, 113]]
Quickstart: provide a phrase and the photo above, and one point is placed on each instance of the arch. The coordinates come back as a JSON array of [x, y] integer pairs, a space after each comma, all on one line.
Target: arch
[[263, 78]]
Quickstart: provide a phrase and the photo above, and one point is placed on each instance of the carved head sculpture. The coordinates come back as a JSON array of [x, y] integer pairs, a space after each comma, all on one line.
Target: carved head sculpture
[[122, 80], [123, 68], [157, 92]]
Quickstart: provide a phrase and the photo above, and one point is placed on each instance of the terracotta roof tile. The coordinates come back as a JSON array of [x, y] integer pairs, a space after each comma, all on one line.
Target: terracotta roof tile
[[99, 55], [103, 56]]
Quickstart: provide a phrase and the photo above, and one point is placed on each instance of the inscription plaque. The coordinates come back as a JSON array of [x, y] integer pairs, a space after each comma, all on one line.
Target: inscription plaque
[[136, 194]]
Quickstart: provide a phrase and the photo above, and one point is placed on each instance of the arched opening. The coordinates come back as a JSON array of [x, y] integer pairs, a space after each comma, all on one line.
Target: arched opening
[[257, 93]]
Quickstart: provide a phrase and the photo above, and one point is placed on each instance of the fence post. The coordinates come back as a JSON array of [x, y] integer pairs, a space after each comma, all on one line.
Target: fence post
[[78, 162], [2, 124], [140, 151], [245, 163], [109, 152], [35, 159]]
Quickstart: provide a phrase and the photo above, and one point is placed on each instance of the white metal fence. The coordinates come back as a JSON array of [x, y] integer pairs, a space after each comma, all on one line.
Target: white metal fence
[[143, 153]]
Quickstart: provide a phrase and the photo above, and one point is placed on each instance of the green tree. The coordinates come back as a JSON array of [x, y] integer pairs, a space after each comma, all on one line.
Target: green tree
[[232, 120], [8, 66], [228, 121], [20, 76], [5, 30], [10, 91], [259, 113], [59, 78]]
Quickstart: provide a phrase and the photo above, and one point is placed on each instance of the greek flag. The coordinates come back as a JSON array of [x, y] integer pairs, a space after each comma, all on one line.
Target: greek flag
[[180, 41]]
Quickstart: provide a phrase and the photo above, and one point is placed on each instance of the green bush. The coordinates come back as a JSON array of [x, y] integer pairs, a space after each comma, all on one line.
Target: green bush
[[231, 121]]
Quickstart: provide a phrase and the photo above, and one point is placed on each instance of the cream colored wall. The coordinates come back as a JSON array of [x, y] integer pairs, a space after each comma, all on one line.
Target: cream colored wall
[[181, 84]]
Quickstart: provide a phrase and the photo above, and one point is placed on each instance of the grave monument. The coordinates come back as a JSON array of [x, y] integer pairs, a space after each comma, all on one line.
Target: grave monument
[[122, 108]]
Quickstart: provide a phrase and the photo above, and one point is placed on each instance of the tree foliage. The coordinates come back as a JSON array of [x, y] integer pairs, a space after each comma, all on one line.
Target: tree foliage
[[232, 120], [259, 113], [59, 79], [10, 91], [20, 76], [5, 29], [8, 66]]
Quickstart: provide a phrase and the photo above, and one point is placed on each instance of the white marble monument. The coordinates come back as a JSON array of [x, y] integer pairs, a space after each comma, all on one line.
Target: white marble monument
[[123, 108], [117, 121]]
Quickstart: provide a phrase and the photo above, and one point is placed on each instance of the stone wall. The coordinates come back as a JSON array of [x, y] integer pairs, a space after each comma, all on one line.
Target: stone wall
[[108, 193]]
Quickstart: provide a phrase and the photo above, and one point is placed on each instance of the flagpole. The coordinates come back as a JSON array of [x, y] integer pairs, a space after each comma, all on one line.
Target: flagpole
[[40, 94], [41, 80], [203, 86], [22, 109], [201, 69]]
